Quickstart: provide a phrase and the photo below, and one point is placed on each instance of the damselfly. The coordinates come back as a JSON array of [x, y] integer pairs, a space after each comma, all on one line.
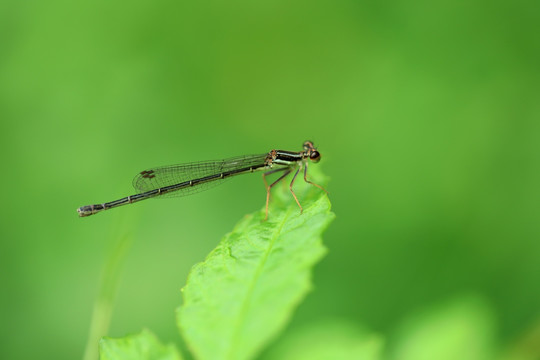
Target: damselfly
[[187, 179]]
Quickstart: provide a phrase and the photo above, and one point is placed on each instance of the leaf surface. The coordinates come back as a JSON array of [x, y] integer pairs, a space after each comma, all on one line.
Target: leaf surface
[[141, 346], [246, 290]]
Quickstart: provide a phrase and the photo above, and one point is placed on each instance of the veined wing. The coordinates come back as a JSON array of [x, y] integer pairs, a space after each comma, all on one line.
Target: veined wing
[[159, 177]]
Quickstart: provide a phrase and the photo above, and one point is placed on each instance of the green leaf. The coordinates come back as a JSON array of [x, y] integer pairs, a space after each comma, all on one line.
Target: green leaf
[[245, 291], [463, 329], [334, 339], [141, 346]]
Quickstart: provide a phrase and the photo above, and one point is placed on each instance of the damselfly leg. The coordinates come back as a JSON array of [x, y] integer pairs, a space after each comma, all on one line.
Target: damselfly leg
[[269, 187], [288, 170], [312, 183]]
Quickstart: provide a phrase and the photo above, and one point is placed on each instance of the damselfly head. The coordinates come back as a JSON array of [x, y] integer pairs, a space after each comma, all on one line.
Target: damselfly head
[[309, 150], [308, 145]]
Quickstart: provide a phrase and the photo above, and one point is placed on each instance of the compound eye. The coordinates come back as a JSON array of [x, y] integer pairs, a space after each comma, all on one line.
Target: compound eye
[[315, 156]]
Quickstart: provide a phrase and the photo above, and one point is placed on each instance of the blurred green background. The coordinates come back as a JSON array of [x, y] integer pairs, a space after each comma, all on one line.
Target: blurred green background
[[427, 115]]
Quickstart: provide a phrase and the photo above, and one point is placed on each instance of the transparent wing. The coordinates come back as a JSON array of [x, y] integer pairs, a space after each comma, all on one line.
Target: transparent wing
[[159, 177]]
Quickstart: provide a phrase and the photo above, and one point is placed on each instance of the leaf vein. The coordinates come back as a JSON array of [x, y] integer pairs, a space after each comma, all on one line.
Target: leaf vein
[[249, 293]]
